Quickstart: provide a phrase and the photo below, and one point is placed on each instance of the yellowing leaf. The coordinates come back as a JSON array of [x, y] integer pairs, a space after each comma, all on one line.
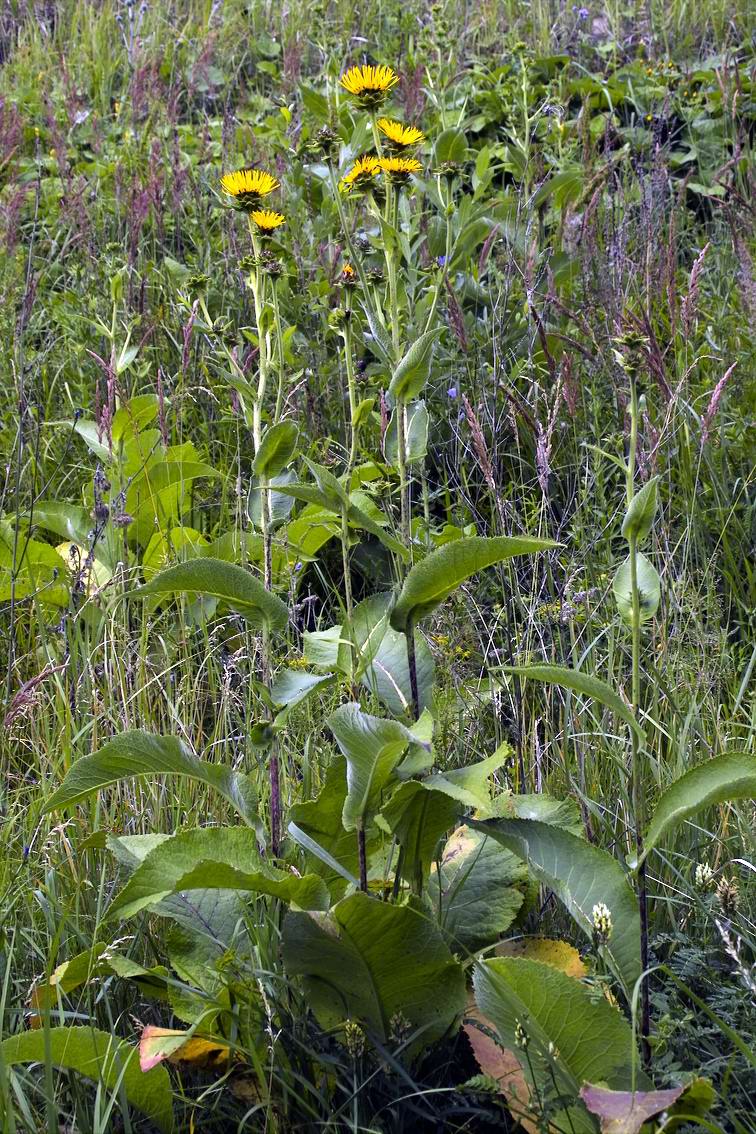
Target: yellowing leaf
[[559, 954], [158, 1044]]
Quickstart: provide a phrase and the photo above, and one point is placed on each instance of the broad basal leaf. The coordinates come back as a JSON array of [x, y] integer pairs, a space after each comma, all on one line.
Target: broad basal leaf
[[548, 951], [99, 1056], [226, 582], [476, 890], [557, 812], [418, 816], [136, 754], [370, 961], [581, 875], [590, 1038], [293, 686], [133, 415], [73, 523], [732, 776], [280, 504], [432, 580], [212, 858]]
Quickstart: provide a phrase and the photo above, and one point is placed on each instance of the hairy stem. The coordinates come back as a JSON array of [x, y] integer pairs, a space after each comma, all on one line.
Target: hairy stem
[[638, 794]]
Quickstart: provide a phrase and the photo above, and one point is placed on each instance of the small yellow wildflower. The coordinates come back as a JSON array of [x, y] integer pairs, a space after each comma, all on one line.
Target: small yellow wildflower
[[267, 220], [400, 137], [361, 174], [348, 276], [369, 85], [247, 187], [398, 169]]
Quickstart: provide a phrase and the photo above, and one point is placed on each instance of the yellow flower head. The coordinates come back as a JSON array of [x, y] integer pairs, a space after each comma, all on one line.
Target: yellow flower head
[[267, 220], [369, 85], [361, 174], [348, 276], [247, 187], [400, 137], [399, 169]]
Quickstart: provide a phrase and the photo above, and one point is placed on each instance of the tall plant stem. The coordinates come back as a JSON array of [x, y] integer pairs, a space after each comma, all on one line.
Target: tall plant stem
[[638, 793], [391, 217], [354, 258], [404, 488], [257, 282], [280, 351], [351, 461]]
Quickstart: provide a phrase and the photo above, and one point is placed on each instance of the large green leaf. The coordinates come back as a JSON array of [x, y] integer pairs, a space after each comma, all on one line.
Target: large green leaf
[[99, 1056], [276, 449], [387, 675], [73, 522], [649, 589], [582, 876], [370, 619], [157, 493], [412, 372], [589, 1038], [137, 753], [470, 785], [640, 512], [415, 434], [280, 504], [732, 776], [583, 683], [31, 567], [432, 580], [330, 502], [226, 582], [373, 746], [212, 858], [95, 439], [132, 416], [418, 816], [374, 962], [476, 890], [293, 686], [558, 812]]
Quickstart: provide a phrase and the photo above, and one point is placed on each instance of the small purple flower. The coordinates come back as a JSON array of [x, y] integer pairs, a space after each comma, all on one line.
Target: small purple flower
[[298, 565], [451, 392], [583, 13], [441, 261]]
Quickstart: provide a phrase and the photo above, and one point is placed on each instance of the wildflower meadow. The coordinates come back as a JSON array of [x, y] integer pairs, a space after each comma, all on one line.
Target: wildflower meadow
[[377, 574]]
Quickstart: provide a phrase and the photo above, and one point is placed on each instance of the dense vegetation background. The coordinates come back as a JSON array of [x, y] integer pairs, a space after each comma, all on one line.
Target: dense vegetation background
[[600, 221]]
